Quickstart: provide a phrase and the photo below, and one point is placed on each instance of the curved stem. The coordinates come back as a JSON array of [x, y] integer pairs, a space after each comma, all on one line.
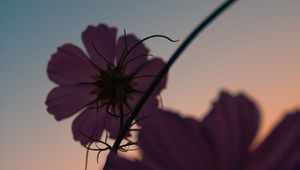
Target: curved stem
[[166, 68]]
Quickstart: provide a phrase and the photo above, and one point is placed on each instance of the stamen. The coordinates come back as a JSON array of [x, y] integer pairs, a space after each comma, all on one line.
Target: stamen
[[98, 153], [139, 56], [152, 36], [122, 56], [122, 59], [108, 147], [100, 55], [125, 39], [93, 140]]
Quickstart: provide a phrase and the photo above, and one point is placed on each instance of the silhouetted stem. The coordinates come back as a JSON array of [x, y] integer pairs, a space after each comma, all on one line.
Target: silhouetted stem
[[166, 68], [121, 117]]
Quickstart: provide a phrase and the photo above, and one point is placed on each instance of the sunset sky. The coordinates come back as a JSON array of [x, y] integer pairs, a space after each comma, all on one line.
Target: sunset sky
[[254, 47]]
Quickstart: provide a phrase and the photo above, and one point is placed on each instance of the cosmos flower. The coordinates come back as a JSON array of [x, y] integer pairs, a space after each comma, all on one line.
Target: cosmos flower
[[104, 84], [221, 141]]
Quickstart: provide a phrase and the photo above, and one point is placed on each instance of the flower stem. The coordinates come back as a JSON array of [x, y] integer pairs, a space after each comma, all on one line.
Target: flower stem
[[121, 117], [166, 68]]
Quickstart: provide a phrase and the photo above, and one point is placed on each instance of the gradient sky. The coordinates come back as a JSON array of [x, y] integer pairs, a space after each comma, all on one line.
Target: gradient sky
[[254, 47]]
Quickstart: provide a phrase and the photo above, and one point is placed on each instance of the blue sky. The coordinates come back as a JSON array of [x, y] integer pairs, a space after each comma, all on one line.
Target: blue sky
[[253, 47]]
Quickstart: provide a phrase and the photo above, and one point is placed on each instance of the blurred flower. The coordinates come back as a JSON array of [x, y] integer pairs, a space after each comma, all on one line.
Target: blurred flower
[[220, 142], [104, 83]]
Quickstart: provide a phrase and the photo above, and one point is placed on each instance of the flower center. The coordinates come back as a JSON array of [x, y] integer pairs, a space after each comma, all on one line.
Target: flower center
[[114, 86]]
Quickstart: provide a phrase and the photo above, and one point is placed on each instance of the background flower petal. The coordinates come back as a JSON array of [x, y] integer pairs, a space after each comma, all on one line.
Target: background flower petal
[[64, 101], [168, 141], [90, 125], [281, 149], [231, 126], [136, 57], [220, 141], [104, 39], [69, 65]]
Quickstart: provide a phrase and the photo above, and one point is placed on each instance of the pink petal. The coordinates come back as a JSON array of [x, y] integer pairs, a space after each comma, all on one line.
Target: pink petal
[[281, 149], [69, 65], [136, 57], [103, 39], [64, 101], [90, 125], [169, 141], [147, 74], [231, 126]]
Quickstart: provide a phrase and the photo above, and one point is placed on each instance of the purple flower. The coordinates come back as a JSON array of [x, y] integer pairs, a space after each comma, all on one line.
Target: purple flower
[[111, 77], [220, 142]]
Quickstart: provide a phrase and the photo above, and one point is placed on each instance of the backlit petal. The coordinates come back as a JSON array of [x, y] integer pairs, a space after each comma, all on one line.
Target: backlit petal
[[104, 40], [69, 65], [136, 57], [64, 101], [91, 123], [147, 74], [281, 149], [231, 126]]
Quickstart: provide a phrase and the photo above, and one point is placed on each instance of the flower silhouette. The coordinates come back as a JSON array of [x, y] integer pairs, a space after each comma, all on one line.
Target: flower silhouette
[[220, 142], [104, 84]]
